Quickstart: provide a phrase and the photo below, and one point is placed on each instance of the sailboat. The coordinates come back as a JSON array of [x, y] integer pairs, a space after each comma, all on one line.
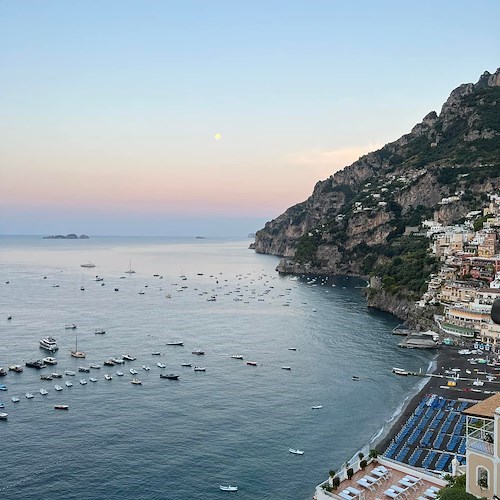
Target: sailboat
[[76, 353], [130, 270]]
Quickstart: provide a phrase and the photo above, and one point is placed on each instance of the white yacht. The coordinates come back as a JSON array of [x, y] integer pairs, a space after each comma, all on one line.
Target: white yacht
[[49, 360], [49, 344]]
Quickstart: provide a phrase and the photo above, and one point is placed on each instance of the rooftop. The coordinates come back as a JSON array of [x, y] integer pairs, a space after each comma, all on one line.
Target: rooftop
[[484, 409]]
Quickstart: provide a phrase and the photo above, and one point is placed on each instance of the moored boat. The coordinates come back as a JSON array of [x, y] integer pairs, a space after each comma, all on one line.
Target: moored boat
[[286, 367], [49, 344], [129, 357], [198, 352], [16, 368], [186, 364], [3, 416], [61, 407], [161, 365], [170, 376], [3, 372], [68, 383], [44, 392], [175, 342], [237, 356], [38, 364], [69, 326], [14, 399], [252, 363], [108, 377], [69, 373], [136, 381], [95, 366], [399, 371], [228, 488], [29, 395], [316, 407], [200, 369], [295, 451], [50, 360], [56, 375], [58, 388], [99, 331], [3, 387], [89, 265], [132, 371]]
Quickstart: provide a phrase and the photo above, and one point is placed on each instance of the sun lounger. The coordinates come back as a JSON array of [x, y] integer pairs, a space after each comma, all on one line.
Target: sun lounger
[[430, 494], [353, 491], [391, 493], [413, 479], [379, 474], [408, 484], [363, 482], [345, 494], [399, 490], [371, 479]]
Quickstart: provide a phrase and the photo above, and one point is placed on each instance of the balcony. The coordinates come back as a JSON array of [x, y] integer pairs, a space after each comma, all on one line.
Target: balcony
[[479, 445]]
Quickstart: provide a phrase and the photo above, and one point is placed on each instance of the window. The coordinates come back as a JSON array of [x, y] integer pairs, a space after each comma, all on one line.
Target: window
[[482, 478]]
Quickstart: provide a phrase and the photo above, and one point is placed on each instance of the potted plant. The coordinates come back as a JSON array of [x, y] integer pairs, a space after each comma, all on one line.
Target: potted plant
[[336, 482], [331, 473], [373, 454], [350, 473], [363, 464]]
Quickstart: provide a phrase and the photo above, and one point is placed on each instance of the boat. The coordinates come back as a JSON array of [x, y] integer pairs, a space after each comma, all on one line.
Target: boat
[[132, 371], [237, 356], [119, 374], [89, 264], [46, 377], [286, 367], [76, 353], [50, 360], [99, 331], [108, 377], [156, 353], [399, 371], [38, 364], [3, 416], [295, 452], [58, 388], [109, 362], [68, 383], [316, 407], [84, 369], [2, 405], [56, 375], [198, 352], [186, 364], [175, 342], [355, 378], [118, 361], [44, 392], [61, 407], [49, 344], [14, 399], [252, 363], [200, 369], [144, 367], [128, 357], [141, 292], [3, 372], [95, 366], [55, 285], [130, 270], [16, 368], [29, 395], [228, 488], [83, 381], [161, 365], [292, 348], [170, 376], [69, 373], [3, 387], [136, 381], [93, 379], [70, 326]]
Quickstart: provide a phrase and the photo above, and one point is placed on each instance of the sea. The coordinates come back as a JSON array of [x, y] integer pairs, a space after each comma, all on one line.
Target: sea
[[232, 424]]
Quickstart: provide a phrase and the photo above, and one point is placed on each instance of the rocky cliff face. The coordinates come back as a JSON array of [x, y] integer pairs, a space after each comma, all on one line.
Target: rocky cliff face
[[347, 222]]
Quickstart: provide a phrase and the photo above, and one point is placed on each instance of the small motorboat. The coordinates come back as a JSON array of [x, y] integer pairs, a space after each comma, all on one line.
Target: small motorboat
[[50, 360], [200, 369], [286, 367], [161, 365], [156, 353], [198, 352], [186, 364], [83, 381], [68, 383], [136, 381], [316, 407], [108, 377], [109, 362], [128, 357], [99, 331], [118, 361], [170, 376], [237, 356], [61, 407], [3, 387], [56, 375], [3, 416], [146, 368], [141, 292], [399, 371], [175, 342], [15, 399], [58, 388], [16, 368], [228, 488], [295, 451], [252, 363], [29, 395], [93, 379], [119, 374], [44, 392], [45, 377], [132, 371], [70, 326], [84, 369], [355, 378], [95, 366], [292, 348], [69, 373]]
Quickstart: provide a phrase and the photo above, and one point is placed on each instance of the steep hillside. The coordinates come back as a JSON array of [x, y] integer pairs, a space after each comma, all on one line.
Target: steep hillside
[[353, 223]]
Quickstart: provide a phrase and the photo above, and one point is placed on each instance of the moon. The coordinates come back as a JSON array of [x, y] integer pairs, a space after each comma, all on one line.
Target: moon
[[218, 136]]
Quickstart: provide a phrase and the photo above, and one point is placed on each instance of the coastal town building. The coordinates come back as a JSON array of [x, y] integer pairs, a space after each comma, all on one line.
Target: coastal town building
[[483, 448], [458, 291], [465, 319]]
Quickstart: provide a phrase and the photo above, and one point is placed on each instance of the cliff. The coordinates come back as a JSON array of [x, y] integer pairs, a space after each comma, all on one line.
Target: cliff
[[354, 222]]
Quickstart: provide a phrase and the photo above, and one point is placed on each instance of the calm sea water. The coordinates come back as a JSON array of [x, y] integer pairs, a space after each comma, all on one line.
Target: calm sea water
[[232, 424]]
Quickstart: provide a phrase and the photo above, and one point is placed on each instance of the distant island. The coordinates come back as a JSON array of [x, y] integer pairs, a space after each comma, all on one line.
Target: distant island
[[201, 238], [67, 237]]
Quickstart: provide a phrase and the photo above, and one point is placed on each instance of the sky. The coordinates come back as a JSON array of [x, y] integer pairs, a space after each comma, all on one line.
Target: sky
[[193, 117]]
